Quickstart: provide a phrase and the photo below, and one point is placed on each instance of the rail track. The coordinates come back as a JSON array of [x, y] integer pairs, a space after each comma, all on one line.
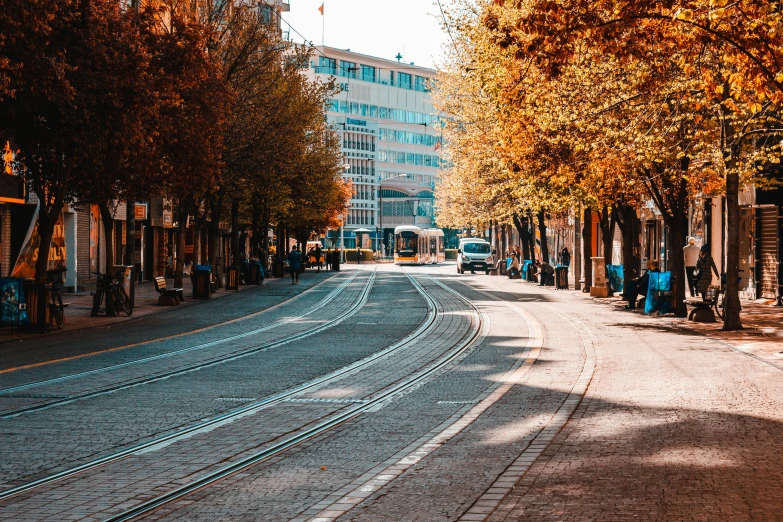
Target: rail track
[[349, 413], [232, 356]]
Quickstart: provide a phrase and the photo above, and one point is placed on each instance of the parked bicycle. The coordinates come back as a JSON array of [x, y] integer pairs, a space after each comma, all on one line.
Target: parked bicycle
[[110, 290], [56, 279], [719, 301]]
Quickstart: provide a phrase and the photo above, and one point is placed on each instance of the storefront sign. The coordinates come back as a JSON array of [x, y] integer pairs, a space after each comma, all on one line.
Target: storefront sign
[[28, 255], [140, 211]]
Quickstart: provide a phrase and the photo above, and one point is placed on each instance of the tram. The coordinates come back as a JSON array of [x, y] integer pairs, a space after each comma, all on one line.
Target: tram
[[418, 246], [437, 245]]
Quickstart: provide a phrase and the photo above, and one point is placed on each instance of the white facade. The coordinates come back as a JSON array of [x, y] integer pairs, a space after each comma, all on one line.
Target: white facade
[[390, 138]]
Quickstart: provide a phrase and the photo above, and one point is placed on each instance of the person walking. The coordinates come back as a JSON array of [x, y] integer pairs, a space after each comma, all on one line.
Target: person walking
[[294, 263], [318, 256], [691, 254], [705, 266], [565, 257]]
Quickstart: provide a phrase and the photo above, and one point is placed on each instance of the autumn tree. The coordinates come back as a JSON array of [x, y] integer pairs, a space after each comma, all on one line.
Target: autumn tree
[[733, 49]]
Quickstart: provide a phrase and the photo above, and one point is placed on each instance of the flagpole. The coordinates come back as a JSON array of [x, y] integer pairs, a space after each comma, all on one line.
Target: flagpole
[[323, 24]]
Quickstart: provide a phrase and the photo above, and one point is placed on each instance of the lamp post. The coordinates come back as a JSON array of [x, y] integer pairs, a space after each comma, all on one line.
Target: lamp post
[[346, 167]]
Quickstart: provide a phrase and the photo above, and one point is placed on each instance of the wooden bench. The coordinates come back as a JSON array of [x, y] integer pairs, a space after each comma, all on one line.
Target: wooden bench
[[168, 296]]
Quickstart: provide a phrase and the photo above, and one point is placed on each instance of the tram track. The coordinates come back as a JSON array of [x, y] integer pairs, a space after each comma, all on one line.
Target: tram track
[[232, 356], [372, 403], [236, 413]]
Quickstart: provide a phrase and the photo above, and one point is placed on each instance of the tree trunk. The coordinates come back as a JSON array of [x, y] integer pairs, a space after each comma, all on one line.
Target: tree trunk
[[676, 224], [732, 320], [237, 259], [130, 247], [503, 242], [626, 218], [576, 262], [607, 238], [521, 232], [541, 217], [524, 232], [255, 243], [108, 228], [108, 231], [587, 246], [45, 232], [184, 209], [213, 237]]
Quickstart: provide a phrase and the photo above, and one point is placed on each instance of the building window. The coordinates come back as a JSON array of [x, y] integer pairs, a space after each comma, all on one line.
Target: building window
[[368, 73], [405, 80], [326, 66], [421, 84], [348, 69]]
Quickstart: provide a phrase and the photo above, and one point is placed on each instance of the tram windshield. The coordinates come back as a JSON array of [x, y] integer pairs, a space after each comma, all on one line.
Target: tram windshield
[[476, 248], [407, 243]]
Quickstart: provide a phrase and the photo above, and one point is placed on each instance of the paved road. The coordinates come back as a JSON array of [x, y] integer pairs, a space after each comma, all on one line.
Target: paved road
[[475, 398]]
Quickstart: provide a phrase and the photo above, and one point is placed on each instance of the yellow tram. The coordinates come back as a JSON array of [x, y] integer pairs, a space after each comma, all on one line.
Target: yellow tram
[[418, 246]]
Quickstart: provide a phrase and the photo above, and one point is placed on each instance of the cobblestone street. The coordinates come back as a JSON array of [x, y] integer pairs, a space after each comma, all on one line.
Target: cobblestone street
[[386, 393]]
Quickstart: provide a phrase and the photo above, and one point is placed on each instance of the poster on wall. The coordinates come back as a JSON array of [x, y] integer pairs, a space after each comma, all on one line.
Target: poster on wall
[[28, 255], [12, 307]]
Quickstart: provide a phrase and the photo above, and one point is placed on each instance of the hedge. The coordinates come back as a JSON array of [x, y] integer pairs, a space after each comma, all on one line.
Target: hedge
[[451, 253], [367, 255]]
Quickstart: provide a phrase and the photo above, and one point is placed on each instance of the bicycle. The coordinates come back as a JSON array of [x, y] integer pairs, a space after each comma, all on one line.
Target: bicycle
[[110, 289], [56, 279], [719, 302]]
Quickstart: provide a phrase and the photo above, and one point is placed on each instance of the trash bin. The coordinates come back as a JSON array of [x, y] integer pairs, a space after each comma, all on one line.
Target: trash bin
[[232, 278], [202, 277], [125, 280], [37, 306], [561, 277], [279, 268], [530, 272], [254, 273]]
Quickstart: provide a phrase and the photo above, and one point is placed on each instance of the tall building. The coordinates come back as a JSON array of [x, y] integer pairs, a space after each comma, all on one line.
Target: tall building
[[390, 138]]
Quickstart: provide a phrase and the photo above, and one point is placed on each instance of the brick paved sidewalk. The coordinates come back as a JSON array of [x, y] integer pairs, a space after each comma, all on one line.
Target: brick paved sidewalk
[[79, 306], [763, 322]]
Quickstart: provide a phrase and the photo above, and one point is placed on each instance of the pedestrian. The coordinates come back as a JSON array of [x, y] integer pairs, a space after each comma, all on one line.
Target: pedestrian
[[691, 253], [294, 263], [262, 256], [318, 256], [565, 257], [358, 255], [704, 268], [546, 273], [337, 260]]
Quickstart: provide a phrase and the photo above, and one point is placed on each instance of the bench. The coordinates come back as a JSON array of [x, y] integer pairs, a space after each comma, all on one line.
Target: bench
[[702, 309], [168, 296]]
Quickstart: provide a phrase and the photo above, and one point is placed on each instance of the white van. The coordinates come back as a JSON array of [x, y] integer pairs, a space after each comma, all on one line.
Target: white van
[[474, 254]]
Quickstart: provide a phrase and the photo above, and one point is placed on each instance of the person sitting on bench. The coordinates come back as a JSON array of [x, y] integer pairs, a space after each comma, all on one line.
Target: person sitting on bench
[[546, 273], [513, 269], [639, 286]]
